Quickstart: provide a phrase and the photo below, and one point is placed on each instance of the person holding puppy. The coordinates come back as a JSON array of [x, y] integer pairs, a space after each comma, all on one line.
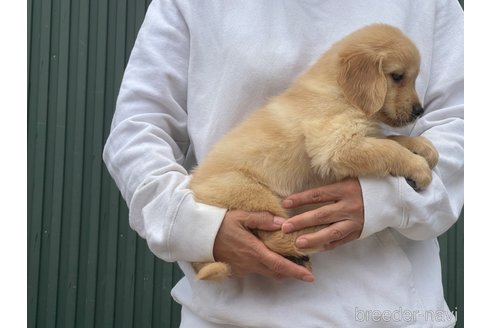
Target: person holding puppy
[[196, 71]]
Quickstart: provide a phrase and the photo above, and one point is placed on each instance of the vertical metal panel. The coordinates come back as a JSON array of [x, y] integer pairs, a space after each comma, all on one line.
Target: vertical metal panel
[[86, 267], [37, 127], [452, 262]]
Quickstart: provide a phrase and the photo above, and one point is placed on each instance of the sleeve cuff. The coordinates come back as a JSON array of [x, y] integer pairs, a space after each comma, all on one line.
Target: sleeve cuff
[[194, 230], [381, 204]]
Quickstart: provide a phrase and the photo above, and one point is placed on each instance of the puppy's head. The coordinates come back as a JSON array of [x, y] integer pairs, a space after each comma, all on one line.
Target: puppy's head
[[378, 66]]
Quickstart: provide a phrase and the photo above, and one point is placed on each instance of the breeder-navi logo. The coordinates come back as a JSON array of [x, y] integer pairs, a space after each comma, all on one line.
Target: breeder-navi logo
[[404, 315]]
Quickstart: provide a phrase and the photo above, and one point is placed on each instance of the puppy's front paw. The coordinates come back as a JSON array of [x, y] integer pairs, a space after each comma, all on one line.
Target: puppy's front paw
[[426, 149], [411, 183], [421, 176]]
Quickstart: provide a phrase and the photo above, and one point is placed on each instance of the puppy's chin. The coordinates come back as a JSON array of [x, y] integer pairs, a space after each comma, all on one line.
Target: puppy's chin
[[393, 121]]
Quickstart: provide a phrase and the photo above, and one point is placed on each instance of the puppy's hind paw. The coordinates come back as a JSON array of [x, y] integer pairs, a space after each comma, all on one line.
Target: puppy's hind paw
[[302, 260]]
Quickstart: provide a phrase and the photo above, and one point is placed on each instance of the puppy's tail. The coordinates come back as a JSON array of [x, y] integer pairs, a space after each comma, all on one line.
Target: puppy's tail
[[211, 270]]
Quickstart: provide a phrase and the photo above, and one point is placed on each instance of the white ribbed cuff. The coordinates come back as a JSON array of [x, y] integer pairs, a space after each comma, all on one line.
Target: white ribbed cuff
[[382, 206], [194, 230]]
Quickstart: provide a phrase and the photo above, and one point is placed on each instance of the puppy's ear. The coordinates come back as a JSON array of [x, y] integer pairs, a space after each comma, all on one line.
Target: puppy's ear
[[362, 80]]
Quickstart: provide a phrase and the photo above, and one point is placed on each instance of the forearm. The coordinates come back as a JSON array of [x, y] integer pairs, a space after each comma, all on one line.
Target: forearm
[[154, 184], [148, 143], [391, 202]]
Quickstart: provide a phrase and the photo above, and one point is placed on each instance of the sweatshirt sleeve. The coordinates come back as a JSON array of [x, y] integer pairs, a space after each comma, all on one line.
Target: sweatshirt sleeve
[[147, 145], [391, 202]]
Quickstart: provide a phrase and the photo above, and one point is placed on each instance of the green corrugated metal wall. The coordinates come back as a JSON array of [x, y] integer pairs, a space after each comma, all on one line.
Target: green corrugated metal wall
[[86, 267]]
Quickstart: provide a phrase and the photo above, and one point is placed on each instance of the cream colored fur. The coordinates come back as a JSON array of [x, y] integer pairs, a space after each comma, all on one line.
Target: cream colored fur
[[323, 129]]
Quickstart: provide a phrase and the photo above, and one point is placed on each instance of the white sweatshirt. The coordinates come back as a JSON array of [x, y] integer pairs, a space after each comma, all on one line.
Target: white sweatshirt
[[198, 68]]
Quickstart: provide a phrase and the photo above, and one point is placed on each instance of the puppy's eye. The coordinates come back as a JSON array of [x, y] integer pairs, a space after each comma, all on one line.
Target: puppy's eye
[[397, 77]]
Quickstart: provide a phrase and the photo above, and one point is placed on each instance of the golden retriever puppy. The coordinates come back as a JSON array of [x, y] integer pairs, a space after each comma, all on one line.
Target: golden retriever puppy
[[322, 129]]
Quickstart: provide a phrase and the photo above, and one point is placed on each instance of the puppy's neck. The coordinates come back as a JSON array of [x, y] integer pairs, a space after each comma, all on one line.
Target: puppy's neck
[[321, 79]]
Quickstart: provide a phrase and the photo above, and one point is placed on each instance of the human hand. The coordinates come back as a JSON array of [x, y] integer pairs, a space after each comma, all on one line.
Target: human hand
[[344, 215], [236, 245]]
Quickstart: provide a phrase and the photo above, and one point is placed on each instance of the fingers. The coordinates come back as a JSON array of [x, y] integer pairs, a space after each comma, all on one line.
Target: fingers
[[312, 196], [353, 236], [328, 193], [261, 270], [281, 267], [236, 245], [324, 215], [323, 194], [346, 203], [331, 236], [269, 264], [339, 219], [261, 221]]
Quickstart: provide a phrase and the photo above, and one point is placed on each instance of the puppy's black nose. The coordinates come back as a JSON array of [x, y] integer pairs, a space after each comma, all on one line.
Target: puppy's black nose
[[417, 110]]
